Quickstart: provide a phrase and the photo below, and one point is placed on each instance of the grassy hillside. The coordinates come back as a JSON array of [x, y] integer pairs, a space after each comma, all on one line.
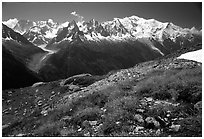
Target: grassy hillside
[[156, 98]]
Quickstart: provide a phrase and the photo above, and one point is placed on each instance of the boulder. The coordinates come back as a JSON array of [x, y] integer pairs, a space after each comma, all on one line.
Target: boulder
[[138, 118], [162, 122], [74, 88], [174, 128], [140, 110], [67, 118], [198, 106], [152, 123], [138, 128], [86, 124], [20, 135], [149, 99], [5, 126], [93, 123]]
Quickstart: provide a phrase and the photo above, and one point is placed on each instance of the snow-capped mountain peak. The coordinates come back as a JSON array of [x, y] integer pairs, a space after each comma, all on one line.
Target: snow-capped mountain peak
[[50, 21], [65, 24]]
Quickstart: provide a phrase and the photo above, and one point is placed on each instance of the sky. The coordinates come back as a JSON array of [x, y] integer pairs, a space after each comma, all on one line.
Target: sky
[[182, 14]]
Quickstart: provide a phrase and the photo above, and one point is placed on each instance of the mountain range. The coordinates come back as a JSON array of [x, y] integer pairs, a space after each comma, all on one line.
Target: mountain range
[[39, 32], [54, 51], [118, 29]]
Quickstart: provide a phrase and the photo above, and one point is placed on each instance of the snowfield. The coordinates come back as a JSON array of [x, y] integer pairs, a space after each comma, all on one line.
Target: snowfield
[[195, 55]]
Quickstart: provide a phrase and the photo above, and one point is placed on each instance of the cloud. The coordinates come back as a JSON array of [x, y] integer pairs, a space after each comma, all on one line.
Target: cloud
[[74, 13]]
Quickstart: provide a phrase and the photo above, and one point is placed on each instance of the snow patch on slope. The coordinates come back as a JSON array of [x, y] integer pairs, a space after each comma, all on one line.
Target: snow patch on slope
[[51, 34], [11, 23], [195, 56]]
